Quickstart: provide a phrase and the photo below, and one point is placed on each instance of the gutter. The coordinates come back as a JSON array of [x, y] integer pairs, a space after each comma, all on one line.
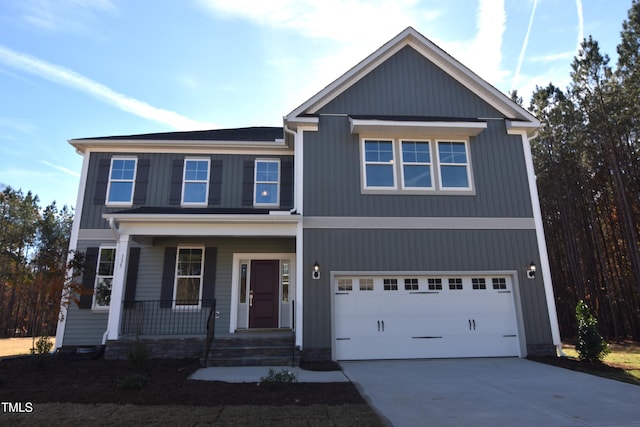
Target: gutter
[[295, 138]]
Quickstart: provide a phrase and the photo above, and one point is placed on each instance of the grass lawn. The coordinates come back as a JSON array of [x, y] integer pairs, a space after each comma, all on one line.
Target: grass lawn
[[624, 357]]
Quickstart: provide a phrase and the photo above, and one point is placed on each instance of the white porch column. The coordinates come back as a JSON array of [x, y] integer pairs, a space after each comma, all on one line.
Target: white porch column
[[117, 287]]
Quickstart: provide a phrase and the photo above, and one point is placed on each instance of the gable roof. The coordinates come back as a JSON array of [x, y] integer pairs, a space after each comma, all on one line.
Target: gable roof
[[410, 37]]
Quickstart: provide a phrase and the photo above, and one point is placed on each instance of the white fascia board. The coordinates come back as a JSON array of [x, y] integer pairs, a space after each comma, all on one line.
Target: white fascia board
[[411, 37], [415, 128], [530, 129], [309, 124], [170, 146]]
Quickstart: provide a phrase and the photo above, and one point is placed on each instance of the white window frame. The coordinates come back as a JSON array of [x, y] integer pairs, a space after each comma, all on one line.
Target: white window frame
[[363, 143], [466, 165], [108, 202], [177, 277], [429, 164], [435, 165], [94, 304], [256, 182], [186, 181]]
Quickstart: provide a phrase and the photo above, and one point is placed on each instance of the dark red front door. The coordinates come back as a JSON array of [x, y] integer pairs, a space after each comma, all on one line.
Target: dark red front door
[[263, 297]]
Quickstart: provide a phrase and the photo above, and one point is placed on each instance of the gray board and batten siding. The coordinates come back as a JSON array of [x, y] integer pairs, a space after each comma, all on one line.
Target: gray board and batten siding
[[332, 184], [388, 251], [86, 326], [231, 171], [408, 84]]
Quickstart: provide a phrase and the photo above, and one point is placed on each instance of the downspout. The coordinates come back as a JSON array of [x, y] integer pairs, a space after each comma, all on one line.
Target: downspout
[[295, 198]]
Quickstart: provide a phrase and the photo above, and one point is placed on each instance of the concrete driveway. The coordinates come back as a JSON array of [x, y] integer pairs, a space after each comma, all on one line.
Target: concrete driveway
[[492, 392]]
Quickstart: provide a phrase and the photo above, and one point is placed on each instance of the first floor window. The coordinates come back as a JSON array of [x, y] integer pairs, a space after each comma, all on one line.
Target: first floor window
[[122, 176], [104, 277], [189, 269], [196, 182], [267, 182]]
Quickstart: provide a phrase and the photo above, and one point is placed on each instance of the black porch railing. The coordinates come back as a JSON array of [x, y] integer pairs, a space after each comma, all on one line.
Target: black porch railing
[[165, 317]]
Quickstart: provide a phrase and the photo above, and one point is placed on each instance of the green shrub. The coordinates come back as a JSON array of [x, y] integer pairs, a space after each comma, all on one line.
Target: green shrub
[[590, 345], [133, 382], [139, 355], [42, 347], [277, 380]]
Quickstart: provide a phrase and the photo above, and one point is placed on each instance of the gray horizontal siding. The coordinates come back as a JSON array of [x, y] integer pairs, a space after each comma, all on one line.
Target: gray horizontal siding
[[86, 327], [160, 180], [409, 84], [332, 184], [423, 251]]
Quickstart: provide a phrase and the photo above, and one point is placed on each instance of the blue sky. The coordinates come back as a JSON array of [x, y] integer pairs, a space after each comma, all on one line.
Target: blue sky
[[82, 68]]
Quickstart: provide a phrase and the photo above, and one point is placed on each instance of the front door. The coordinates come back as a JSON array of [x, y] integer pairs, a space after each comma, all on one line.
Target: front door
[[263, 294]]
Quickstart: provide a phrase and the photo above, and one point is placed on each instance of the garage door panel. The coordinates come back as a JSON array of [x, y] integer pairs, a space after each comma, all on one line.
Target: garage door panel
[[425, 317]]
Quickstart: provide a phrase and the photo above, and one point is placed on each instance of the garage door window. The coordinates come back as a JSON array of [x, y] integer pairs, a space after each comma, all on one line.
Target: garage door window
[[455, 284], [435, 284], [390, 284], [366, 284], [478, 283], [499, 283], [410, 284], [345, 285]]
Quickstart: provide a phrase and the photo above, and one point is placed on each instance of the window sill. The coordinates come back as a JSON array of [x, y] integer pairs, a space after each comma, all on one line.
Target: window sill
[[411, 192]]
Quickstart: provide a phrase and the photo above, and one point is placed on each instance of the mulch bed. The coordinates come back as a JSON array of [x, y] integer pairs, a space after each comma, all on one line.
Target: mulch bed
[[29, 379]]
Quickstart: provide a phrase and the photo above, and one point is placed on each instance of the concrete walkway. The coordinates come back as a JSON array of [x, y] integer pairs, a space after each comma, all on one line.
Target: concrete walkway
[[253, 374], [492, 392]]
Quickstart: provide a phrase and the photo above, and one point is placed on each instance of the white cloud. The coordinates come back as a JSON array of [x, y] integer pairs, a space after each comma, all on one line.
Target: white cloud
[[61, 169], [71, 16], [580, 23], [552, 57], [20, 125], [72, 79]]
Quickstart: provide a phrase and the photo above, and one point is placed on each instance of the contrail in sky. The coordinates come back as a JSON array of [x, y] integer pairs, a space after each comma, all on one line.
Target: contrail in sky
[[72, 79], [516, 76], [580, 23]]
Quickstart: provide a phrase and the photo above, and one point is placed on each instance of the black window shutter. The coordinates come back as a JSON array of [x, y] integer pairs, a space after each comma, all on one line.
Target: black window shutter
[[215, 182], [132, 277], [100, 192], [168, 277], [247, 183], [286, 184], [209, 277], [88, 277], [142, 178], [175, 190]]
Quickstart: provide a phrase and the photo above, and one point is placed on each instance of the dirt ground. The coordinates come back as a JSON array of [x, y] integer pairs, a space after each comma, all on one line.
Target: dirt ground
[[95, 392]]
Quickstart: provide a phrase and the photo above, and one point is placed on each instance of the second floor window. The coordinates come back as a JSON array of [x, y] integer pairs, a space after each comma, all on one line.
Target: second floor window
[[379, 168], [195, 185], [267, 183], [122, 177]]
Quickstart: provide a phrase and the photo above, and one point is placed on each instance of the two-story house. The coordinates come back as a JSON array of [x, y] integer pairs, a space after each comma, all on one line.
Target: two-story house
[[394, 215]]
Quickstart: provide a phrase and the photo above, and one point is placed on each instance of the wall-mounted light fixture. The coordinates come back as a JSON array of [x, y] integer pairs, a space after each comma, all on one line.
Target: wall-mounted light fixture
[[315, 274], [531, 271]]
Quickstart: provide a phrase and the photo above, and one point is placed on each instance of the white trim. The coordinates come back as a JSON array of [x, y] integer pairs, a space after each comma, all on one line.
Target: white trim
[[425, 223], [542, 244], [117, 287], [409, 129], [411, 37], [255, 183], [205, 202], [235, 279], [111, 180], [178, 146], [73, 245]]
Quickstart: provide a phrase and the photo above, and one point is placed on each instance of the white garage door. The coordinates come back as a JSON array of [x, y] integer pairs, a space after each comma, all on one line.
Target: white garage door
[[398, 317]]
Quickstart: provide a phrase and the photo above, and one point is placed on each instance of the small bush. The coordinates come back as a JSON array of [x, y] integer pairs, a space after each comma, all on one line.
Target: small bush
[[277, 380], [42, 347], [133, 382], [590, 346], [139, 355]]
